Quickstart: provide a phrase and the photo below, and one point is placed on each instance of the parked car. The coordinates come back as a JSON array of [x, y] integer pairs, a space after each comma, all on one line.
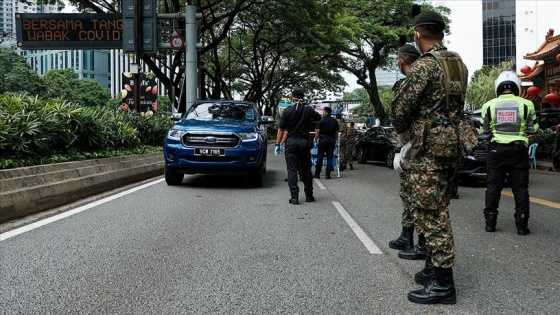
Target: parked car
[[473, 166], [376, 144], [222, 137]]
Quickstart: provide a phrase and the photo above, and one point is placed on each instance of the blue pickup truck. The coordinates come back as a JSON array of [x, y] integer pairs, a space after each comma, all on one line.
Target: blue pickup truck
[[222, 137]]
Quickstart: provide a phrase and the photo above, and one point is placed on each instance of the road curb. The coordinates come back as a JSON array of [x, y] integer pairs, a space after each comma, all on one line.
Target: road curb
[[30, 190]]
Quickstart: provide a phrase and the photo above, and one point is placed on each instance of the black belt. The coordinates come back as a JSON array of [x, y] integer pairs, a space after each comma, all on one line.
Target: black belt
[[298, 136], [511, 144], [325, 136]]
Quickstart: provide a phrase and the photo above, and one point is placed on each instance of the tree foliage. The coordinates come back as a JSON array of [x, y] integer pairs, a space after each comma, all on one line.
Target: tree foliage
[[67, 85], [16, 75], [481, 88], [264, 48]]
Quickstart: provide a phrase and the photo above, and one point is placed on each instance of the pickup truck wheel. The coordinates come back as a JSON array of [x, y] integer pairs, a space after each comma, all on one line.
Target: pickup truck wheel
[[257, 176], [361, 158], [173, 178]]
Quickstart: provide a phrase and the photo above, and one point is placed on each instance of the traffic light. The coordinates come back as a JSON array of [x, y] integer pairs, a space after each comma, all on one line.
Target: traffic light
[[139, 24]]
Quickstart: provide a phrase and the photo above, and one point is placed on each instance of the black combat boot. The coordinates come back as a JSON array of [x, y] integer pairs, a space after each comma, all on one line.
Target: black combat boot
[[418, 252], [491, 220], [521, 222], [405, 241], [427, 274], [440, 289]]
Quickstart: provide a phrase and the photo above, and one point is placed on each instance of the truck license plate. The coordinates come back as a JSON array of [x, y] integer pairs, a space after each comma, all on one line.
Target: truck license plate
[[210, 152]]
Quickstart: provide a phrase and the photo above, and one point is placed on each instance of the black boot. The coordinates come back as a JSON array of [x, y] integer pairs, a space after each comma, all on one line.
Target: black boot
[[405, 241], [491, 219], [427, 274], [521, 222], [418, 252], [440, 289]]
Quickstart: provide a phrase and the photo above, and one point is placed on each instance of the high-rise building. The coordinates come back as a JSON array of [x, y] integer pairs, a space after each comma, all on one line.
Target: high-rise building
[[498, 31]]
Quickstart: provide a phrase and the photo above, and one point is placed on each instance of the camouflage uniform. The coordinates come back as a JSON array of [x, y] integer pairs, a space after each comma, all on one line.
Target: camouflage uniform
[[351, 137], [342, 128], [420, 107]]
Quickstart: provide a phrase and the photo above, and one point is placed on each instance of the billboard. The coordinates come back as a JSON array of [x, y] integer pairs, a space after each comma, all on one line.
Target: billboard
[[148, 93], [69, 30]]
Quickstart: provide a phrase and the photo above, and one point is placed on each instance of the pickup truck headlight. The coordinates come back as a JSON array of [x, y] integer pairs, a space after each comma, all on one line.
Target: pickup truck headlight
[[248, 136], [175, 134]]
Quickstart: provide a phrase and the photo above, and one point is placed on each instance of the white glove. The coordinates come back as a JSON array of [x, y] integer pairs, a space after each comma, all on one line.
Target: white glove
[[281, 147], [277, 150], [405, 152], [397, 163]]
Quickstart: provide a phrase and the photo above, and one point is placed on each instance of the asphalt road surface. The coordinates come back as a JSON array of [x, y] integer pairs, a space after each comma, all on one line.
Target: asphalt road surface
[[214, 246]]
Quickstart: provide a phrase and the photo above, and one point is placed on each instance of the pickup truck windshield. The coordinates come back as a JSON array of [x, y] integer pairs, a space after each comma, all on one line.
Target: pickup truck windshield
[[219, 111]]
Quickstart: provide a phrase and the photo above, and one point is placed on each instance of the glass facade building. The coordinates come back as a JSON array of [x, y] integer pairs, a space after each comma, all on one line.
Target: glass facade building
[[498, 31]]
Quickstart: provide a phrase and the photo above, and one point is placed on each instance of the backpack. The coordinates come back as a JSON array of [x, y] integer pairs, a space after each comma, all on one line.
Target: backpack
[[455, 84]]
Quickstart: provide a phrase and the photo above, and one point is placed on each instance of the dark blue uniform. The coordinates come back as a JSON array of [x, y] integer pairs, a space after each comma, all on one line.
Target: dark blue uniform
[[297, 120], [328, 130]]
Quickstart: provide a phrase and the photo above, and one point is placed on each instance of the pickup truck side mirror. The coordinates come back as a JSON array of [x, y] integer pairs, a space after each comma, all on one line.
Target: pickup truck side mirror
[[265, 120], [176, 116]]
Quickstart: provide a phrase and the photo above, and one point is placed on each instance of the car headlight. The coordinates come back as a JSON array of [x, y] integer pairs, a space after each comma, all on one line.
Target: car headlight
[[175, 134], [248, 136]]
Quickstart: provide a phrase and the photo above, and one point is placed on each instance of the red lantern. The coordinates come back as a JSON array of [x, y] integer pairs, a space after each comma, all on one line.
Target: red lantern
[[533, 90], [558, 57], [552, 98], [525, 70]]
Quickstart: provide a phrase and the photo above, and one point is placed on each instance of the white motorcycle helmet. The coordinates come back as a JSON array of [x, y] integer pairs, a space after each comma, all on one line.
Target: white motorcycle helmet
[[507, 80]]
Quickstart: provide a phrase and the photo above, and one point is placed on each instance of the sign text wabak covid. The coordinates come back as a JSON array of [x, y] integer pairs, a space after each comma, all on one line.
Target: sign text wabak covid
[[63, 31]]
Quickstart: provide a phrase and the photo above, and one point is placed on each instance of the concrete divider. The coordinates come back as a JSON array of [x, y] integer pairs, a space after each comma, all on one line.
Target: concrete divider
[[29, 190]]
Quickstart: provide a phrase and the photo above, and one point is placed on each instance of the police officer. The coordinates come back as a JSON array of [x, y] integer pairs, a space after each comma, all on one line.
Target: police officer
[[427, 106], [509, 119], [326, 134], [407, 55], [296, 120]]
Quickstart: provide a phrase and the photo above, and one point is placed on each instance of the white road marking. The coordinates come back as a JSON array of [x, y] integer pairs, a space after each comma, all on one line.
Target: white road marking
[[63, 215], [320, 184], [368, 243]]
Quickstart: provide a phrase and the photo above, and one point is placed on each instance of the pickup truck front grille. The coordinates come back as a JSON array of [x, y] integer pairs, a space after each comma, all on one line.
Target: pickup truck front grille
[[214, 140]]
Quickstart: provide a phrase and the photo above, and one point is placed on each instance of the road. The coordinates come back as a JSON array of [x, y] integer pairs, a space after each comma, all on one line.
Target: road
[[212, 246]]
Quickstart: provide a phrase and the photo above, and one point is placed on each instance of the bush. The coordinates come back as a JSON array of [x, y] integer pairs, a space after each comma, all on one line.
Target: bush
[[546, 141], [33, 129]]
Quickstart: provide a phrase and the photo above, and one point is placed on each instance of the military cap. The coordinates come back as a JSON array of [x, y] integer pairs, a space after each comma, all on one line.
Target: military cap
[[429, 17], [408, 49], [298, 94]]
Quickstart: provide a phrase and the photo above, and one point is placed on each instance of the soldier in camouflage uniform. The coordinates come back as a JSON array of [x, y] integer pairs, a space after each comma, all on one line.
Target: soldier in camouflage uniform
[[408, 54], [342, 128], [428, 105], [351, 137]]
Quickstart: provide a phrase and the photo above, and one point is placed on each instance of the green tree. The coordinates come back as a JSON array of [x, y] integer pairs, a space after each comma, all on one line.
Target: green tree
[[17, 76], [67, 85], [60, 83], [481, 88], [373, 30]]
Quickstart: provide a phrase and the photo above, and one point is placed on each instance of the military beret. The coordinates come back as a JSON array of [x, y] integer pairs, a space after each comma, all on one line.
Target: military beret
[[429, 17], [298, 94], [408, 49]]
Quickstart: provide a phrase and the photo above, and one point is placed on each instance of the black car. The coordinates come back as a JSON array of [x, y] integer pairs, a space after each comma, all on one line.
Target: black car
[[473, 166], [375, 144]]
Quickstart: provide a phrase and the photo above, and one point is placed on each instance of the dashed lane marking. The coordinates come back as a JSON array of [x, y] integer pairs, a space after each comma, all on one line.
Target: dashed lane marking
[[368, 243]]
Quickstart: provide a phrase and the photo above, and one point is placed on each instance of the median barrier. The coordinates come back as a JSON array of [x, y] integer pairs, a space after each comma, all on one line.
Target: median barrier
[[30, 190]]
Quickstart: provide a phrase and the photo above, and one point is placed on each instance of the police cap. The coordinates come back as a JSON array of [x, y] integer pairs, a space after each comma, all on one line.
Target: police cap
[[298, 94], [429, 17], [408, 49]]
